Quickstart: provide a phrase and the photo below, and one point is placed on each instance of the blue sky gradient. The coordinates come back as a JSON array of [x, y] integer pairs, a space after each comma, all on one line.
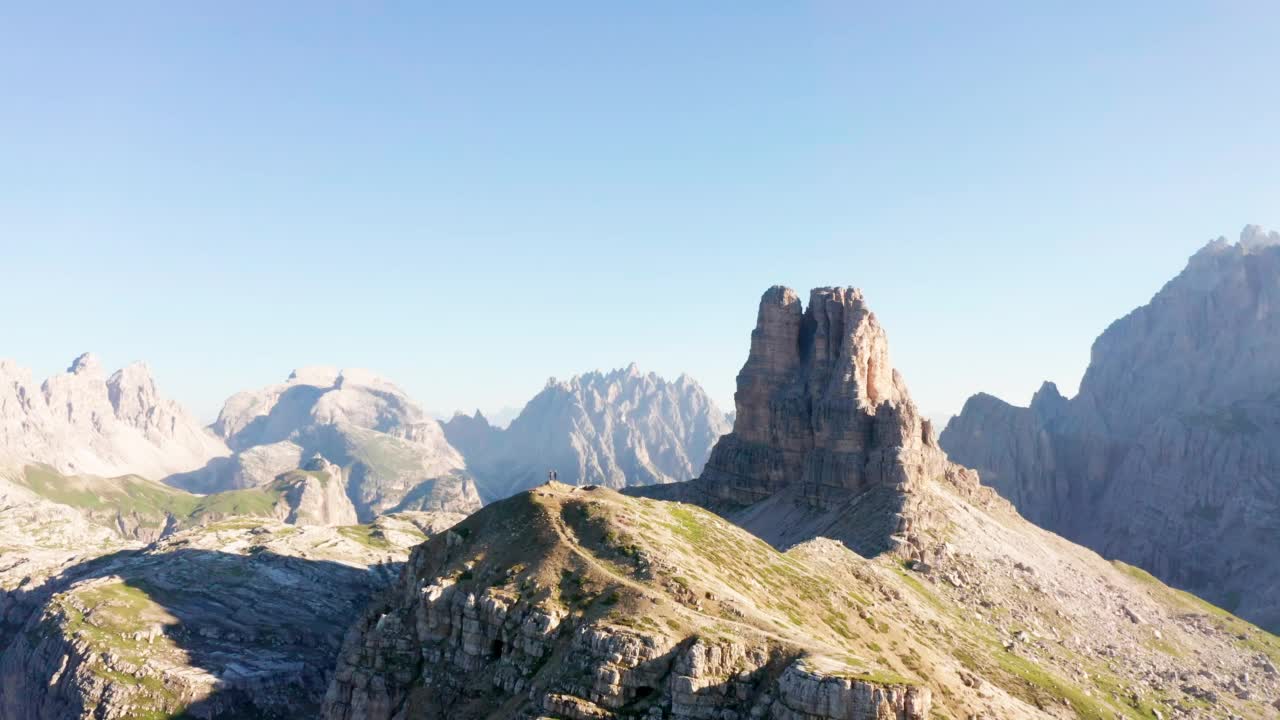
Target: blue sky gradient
[[474, 197]]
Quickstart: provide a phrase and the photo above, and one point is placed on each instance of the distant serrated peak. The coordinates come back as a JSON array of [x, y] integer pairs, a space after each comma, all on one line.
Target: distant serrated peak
[[86, 364], [1254, 237]]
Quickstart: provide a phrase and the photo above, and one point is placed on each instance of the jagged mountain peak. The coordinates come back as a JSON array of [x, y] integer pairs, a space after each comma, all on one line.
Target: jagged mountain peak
[[1209, 333], [628, 385], [83, 421], [629, 374], [1048, 401], [832, 352], [617, 428], [836, 344], [1254, 237], [85, 364], [477, 416], [134, 384]]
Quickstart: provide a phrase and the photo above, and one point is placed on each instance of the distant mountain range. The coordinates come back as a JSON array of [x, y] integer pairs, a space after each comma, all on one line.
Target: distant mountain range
[[393, 455], [828, 562], [84, 421], [618, 429]]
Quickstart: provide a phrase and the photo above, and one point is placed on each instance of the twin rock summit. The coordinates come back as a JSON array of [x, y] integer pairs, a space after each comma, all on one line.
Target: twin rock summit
[[829, 562]]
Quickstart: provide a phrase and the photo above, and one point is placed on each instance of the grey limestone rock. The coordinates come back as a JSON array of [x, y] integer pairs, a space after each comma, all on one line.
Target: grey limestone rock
[[1169, 456], [618, 429]]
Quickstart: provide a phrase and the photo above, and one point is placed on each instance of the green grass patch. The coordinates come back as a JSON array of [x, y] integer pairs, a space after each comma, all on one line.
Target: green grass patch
[[366, 535], [687, 524], [1044, 689], [149, 502], [257, 502]]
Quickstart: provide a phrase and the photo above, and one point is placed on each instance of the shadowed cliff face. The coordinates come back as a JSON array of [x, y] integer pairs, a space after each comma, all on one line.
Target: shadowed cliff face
[[809, 395], [826, 439], [1167, 458]]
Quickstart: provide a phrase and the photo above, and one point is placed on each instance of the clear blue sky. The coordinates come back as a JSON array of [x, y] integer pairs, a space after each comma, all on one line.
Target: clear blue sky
[[474, 197]]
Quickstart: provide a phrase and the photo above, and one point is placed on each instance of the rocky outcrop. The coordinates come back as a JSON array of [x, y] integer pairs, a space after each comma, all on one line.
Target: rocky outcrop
[[618, 429], [826, 440], [317, 495], [1167, 456], [395, 456], [84, 421], [247, 468], [472, 632]]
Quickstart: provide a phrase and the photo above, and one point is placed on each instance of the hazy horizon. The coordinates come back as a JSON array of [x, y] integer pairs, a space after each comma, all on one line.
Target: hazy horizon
[[470, 203]]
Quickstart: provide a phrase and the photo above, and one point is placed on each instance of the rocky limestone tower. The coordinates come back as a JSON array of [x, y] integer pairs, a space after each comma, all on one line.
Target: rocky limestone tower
[[826, 440]]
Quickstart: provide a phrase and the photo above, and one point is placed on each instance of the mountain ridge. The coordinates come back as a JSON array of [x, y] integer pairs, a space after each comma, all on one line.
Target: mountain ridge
[[616, 428], [1164, 457], [85, 421], [392, 455]]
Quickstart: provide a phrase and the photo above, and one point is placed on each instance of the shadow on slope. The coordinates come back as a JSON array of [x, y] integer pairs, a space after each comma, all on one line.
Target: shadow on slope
[[188, 633]]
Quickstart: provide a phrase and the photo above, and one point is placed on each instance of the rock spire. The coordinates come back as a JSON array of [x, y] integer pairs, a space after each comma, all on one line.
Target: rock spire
[[823, 421]]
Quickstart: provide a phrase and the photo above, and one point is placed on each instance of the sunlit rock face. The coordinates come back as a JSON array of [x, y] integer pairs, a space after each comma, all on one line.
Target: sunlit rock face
[[1167, 457], [85, 421], [826, 440], [808, 399]]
